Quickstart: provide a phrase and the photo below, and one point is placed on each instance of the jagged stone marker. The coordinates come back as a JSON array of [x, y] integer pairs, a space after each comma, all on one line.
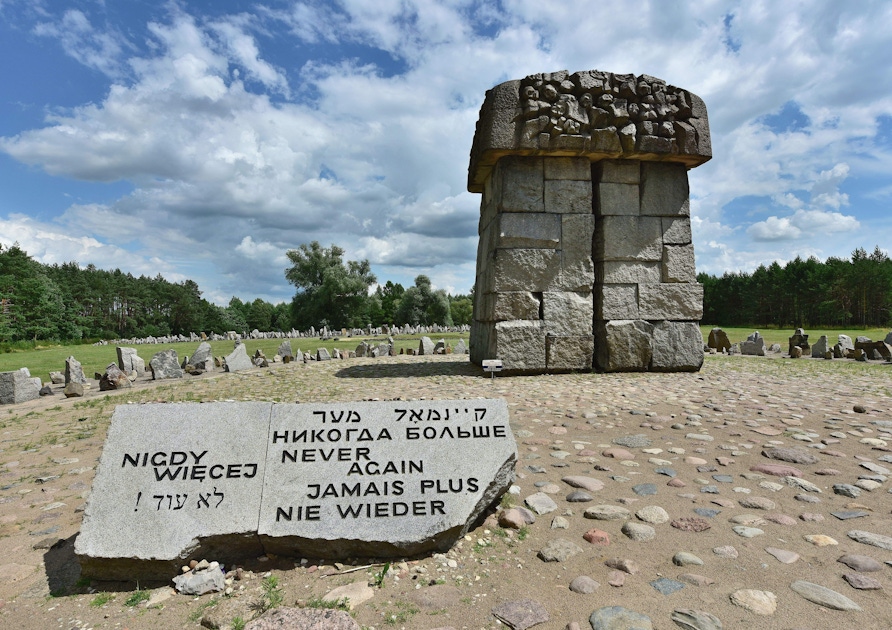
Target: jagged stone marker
[[230, 481]]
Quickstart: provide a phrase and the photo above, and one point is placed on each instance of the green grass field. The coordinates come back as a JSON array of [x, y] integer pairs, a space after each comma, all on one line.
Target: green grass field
[[45, 359]]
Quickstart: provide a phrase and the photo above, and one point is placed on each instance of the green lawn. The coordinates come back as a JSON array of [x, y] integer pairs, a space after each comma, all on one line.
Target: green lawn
[[51, 358], [782, 335]]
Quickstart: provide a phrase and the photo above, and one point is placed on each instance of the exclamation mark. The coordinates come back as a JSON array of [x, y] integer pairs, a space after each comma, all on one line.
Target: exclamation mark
[[138, 497]]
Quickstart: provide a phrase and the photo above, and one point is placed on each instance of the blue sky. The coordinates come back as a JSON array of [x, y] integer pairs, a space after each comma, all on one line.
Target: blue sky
[[203, 139]]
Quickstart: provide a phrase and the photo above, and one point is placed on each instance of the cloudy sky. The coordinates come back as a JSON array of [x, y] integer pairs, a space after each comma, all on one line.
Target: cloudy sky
[[202, 139]]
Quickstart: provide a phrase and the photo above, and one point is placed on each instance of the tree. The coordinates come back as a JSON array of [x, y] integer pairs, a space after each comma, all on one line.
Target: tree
[[420, 304], [329, 291], [462, 309]]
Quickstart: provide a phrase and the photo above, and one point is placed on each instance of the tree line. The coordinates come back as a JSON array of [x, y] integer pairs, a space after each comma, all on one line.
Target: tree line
[[68, 302], [804, 293]]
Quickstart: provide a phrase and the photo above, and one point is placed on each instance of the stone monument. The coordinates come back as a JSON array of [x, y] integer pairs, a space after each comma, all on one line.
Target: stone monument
[[585, 258], [229, 481]]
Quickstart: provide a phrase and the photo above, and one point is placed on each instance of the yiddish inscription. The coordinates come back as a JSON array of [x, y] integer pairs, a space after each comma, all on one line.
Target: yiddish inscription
[[370, 478]]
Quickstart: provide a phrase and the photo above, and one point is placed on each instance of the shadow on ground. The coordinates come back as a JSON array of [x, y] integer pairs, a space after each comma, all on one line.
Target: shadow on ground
[[410, 369]]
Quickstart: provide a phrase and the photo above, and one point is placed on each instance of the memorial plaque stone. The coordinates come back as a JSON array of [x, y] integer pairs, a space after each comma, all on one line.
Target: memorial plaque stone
[[380, 479], [175, 481], [230, 481]]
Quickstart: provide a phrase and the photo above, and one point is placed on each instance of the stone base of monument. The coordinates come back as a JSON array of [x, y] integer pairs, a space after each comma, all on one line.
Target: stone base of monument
[[233, 481]]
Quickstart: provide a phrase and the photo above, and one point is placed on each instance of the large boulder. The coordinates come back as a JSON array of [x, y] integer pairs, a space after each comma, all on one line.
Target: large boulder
[[129, 361], [821, 347], [425, 346], [74, 372], [754, 345], [718, 339], [238, 359], [165, 365], [114, 378], [284, 350], [202, 358], [18, 387]]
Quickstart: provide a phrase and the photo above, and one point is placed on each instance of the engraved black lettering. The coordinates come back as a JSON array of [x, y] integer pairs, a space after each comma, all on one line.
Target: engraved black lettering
[[292, 455], [313, 512], [253, 468], [426, 484], [320, 413], [384, 434], [350, 491], [134, 461], [350, 510], [177, 458], [498, 431], [479, 413], [401, 413], [437, 507], [167, 473], [282, 514], [363, 453], [472, 484], [381, 510], [215, 467], [400, 509], [233, 471], [414, 415], [280, 436], [480, 431], [198, 457], [315, 493], [162, 462]]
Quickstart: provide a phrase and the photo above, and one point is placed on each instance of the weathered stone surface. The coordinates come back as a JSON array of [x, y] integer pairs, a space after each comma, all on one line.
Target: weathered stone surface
[[165, 365], [137, 525], [525, 230], [425, 346], [755, 601], [608, 513], [628, 272], [754, 345], [617, 199], [616, 301], [522, 614], [664, 189], [179, 481], [638, 531], [559, 550], [619, 618], [567, 314], [678, 263], [676, 347], [569, 353], [695, 619], [73, 390], [322, 354], [203, 357], [520, 345], [519, 184], [623, 346], [864, 564], [718, 339], [284, 350], [18, 387], [541, 503], [629, 239], [129, 361], [210, 580], [238, 359], [868, 538], [792, 455], [113, 379], [670, 301], [355, 593], [584, 585], [568, 197], [823, 596], [74, 371]]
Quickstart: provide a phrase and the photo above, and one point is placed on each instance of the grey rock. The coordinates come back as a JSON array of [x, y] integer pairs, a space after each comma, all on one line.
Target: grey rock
[[638, 531], [868, 538], [284, 350], [559, 550], [210, 580], [521, 614], [74, 372], [607, 513], [238, 359], [862, 582], [203, 357], [619, 618], [18, 387], [584, 585], [322, 354], [653, 514], [863, 564], [823, 596], [666, 586], [755, 601], [847, 490], [792, 455], [73, 390], [747, 532], [645, 489], [684, 558], [695, 619], [589, 484], [541, 503], [633, 441], [425, 346], [114, 378], [845, 515], [578, 496], [164, 365]]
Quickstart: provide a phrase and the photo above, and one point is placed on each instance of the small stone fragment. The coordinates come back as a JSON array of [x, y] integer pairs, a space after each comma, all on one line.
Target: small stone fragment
[[521, 614], [823, 596], [619, 618], [584, 585], [559, 550], [862, 582], [695, 619], [638, 531], [863, 564], [755, 601]]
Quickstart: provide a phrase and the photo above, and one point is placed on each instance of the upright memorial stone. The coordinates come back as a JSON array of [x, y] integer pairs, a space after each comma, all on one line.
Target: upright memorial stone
[[228, 481], [19, 386], [585, 256]]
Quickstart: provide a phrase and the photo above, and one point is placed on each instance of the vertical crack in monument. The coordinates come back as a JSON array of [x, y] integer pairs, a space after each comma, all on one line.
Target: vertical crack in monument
[[585, 258], [232, 481]]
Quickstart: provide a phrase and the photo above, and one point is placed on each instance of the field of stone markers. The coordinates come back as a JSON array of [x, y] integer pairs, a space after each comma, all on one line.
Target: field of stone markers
[[752, 494]]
